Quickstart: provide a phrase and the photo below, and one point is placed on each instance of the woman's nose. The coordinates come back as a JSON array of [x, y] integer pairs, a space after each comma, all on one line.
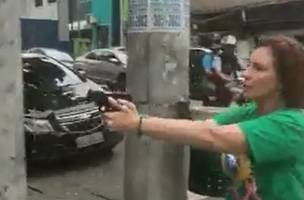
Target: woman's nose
[[246, 73]]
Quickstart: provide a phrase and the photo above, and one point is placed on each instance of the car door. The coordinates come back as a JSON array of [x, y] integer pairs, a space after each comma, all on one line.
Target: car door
[[89, 63], [109, 66]]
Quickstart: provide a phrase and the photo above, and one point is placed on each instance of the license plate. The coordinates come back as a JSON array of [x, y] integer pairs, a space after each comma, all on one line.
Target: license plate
[[89, 140]]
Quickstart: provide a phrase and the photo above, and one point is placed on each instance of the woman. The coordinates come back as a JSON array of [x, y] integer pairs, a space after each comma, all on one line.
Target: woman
[[267, 134]]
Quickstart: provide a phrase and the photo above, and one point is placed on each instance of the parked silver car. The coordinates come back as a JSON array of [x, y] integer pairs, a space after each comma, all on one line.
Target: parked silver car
[[104, 66]]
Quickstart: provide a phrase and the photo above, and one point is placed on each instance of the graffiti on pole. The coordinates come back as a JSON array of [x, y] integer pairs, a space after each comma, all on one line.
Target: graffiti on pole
[[157, 15]]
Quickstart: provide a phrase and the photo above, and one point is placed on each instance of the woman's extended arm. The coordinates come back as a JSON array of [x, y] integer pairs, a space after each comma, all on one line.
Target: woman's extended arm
[[207, 135]]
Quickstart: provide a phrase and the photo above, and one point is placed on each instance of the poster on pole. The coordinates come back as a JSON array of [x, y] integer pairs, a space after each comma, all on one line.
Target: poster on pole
[[157, 15]]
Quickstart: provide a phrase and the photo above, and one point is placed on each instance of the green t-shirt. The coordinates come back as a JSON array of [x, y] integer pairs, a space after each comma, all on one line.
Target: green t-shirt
[[276, 146]]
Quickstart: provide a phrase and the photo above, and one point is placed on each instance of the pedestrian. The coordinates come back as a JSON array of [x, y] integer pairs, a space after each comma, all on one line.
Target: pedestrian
[[230, 64], [266, 135], [219, 79]]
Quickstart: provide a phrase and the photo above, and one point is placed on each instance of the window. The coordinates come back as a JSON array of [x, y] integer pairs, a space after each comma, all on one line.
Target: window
[[92, 56], [38, 3], [51, 1]]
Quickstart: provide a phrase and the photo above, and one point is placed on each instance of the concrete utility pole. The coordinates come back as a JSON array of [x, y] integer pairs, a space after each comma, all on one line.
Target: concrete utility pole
[[121, 11], [12, 168], [63, 20], [157, 78]]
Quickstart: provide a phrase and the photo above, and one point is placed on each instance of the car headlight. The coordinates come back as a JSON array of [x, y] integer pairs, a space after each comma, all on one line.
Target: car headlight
[[38, 125]]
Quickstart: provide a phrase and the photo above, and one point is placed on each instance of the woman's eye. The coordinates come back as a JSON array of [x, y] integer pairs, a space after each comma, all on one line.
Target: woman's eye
[[258, 67]]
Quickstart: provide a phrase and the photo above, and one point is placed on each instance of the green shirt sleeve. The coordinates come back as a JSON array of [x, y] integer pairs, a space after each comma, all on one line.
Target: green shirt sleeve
[[236, 114], [274, 137]]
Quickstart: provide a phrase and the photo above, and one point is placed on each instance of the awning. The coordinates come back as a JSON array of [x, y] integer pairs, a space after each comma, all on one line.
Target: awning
[[288, 15]]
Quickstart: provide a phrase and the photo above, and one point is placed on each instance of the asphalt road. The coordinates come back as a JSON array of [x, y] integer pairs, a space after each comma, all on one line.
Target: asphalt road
[[94, 177]]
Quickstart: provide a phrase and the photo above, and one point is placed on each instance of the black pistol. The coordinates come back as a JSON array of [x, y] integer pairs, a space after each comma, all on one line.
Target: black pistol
[[100, 98]]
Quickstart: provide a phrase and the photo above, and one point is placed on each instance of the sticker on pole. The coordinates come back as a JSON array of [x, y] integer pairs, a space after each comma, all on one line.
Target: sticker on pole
[[157, 15]]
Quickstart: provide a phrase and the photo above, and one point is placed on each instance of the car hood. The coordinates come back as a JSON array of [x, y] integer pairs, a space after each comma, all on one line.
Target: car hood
[[80, 90]]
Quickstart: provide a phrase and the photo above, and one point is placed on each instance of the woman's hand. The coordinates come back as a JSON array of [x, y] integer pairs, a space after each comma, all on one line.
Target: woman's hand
[[125, 119]]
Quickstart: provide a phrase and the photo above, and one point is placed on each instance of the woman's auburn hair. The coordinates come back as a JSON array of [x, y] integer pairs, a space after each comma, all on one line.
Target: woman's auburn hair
[[288, 56]]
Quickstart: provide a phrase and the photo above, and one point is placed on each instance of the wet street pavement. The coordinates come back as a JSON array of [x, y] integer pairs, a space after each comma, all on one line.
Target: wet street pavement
[[94, 177]]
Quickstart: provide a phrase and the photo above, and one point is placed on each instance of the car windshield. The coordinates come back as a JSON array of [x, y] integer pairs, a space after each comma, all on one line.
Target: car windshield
[[100, 52], [49, 85], [50, 72], [58, 55], [121, 49]]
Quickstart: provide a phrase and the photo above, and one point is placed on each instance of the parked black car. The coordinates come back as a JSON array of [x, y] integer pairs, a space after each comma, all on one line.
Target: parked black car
[[59, 120], [61, 56], [105, 66]]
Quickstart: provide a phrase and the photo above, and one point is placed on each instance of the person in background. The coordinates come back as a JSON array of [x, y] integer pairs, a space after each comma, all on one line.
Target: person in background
[[230, 64], [266, 135], [215, 75]]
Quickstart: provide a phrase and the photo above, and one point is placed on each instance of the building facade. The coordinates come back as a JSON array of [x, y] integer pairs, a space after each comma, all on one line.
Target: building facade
[[96, 22], [44, 23], [40, 9]]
